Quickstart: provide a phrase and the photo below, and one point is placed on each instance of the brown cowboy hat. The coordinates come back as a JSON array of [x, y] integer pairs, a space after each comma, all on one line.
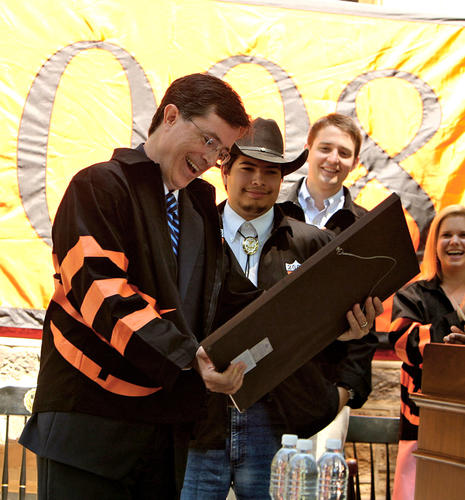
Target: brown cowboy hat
[[265, 142]]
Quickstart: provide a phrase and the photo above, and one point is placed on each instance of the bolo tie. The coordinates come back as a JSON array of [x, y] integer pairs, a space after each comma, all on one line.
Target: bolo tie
[[250, 247]]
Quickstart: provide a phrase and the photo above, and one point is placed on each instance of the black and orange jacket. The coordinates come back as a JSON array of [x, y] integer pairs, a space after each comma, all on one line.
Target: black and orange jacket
[[115, 340], [421, 314]]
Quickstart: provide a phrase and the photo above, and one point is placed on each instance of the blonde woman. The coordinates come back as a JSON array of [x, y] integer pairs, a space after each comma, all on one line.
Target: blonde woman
[[429, 310]]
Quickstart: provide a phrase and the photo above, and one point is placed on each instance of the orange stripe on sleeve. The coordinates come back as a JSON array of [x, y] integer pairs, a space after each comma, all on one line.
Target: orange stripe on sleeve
[[91, 369], [151, 301], [407, 382], [406, 412], [56, 265], [99, 291], [401, 344], [425, 337], [60, 298], [126, 326], [399, 324], [87, 246]]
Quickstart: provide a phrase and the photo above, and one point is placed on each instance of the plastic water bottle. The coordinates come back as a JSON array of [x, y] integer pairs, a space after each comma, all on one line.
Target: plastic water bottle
[[279, 465], [302, 478], [334, 473]]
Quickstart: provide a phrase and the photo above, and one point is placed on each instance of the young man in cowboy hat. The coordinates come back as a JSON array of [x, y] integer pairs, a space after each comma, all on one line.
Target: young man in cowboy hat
[[236, 449]]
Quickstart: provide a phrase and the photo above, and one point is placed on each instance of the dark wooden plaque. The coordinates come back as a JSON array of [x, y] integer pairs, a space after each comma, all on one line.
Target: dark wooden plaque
[[305, 311]]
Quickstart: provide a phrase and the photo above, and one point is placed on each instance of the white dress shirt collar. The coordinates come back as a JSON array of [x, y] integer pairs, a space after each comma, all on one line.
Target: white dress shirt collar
[[312, 214], [263, 226], [175, 192]]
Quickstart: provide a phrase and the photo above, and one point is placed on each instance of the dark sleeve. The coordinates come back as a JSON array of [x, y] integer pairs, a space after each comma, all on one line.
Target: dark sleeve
[[293, 210], [349, 364], [91, 236], [307, 400], [414, 324], [341, 220]]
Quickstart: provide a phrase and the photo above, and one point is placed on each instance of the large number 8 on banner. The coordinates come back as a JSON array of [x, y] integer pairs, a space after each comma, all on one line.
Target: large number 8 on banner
[[387, 169]]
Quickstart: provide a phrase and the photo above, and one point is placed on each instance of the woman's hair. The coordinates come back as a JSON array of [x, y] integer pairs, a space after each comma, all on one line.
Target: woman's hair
[[431, 266]]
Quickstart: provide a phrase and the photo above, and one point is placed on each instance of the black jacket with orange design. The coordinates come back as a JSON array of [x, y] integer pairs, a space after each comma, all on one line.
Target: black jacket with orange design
[[115, 339], [421, 314]]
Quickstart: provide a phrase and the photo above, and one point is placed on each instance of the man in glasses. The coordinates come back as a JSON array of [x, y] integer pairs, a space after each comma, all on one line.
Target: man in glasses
[[139, 261]]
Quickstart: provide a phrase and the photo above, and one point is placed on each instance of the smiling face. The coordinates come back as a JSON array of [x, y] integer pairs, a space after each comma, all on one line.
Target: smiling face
[[179, 145], [331, 157], [252, 186], [450, 247]]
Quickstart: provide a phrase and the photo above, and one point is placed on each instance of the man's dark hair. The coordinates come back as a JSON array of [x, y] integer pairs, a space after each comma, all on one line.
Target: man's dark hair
[[200, 93], [233, 157], [227, 166], [343, 122]]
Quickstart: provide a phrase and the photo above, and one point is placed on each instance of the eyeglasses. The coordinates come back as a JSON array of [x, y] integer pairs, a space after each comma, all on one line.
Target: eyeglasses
[[213, 145]]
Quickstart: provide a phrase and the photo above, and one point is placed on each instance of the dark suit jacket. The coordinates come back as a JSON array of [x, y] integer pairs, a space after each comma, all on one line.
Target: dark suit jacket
[[339, 221]]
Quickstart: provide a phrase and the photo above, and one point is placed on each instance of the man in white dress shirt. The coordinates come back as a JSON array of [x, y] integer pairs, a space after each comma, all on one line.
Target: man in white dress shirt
[[333, 144]]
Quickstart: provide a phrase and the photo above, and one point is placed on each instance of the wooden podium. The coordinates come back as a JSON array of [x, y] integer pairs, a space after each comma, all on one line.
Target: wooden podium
[[441, 438]]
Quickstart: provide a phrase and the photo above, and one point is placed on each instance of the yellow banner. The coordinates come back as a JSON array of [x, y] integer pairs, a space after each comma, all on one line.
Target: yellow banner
[[80, 78]]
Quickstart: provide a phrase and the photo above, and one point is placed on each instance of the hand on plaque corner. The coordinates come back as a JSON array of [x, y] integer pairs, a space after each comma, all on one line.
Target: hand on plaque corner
[[227, 382], [361, 320]]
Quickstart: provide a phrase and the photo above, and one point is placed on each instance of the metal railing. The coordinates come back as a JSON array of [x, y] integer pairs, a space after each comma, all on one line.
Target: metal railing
[[15, 402]]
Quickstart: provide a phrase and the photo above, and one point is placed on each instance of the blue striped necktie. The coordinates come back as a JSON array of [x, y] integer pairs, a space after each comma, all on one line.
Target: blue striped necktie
[[173, 220]]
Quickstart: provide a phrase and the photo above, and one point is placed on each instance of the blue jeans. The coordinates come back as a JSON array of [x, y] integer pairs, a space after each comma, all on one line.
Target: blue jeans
[[244, 464]]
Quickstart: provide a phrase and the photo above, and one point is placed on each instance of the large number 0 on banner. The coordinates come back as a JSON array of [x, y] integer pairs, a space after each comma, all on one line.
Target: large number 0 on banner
[[295, 115], [34, 127]]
